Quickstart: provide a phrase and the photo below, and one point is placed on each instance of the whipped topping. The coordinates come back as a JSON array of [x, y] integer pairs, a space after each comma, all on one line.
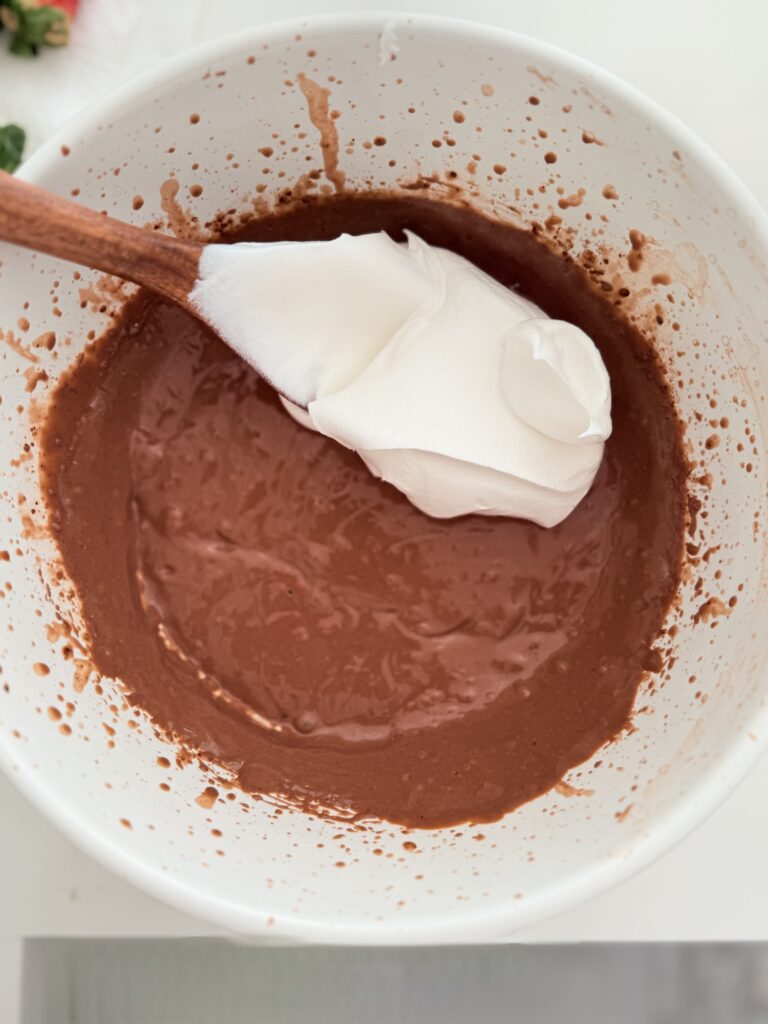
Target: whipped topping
[[459, 392]]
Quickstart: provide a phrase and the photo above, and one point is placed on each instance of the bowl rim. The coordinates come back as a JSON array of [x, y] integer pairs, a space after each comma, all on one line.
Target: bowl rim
[[464, 925]]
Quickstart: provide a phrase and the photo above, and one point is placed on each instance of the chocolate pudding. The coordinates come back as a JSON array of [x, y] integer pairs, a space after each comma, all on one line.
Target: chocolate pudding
[[281, 613]]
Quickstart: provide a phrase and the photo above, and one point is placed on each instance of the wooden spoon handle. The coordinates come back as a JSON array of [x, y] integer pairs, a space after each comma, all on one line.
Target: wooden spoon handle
[[36, 219]]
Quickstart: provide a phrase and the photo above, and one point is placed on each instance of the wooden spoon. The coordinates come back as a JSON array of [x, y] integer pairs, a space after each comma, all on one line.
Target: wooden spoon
[[39, 220], [178, 270]]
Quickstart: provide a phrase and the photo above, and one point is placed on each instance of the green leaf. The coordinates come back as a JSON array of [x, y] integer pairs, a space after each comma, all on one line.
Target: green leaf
[[12, 139], [32, 27]]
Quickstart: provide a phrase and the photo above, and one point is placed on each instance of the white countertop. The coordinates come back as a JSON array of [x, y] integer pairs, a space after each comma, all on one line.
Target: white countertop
[[705, 62]]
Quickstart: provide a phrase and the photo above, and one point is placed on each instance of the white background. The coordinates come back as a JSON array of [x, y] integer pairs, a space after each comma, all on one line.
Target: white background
[[706, 62]]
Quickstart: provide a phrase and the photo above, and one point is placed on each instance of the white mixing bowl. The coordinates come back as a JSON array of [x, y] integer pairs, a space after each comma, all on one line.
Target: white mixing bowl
[[402, 78]]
